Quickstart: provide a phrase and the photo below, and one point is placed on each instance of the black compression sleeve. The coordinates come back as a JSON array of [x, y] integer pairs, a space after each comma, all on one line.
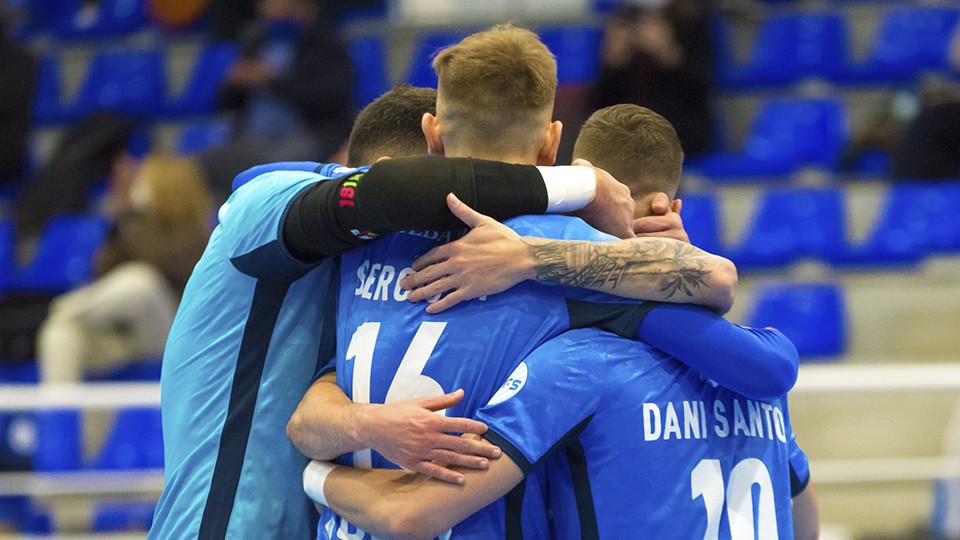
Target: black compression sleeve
[[410, 193]]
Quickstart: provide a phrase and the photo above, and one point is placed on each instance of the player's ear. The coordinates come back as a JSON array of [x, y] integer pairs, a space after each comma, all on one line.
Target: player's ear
[[430, 126], [551, 144]]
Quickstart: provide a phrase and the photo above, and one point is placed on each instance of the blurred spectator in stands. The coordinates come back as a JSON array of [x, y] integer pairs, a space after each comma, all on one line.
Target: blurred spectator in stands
[[100, 147], [126, 313], [18, 81], [658, 54], [929, 145], [291, 91], [917, 128]]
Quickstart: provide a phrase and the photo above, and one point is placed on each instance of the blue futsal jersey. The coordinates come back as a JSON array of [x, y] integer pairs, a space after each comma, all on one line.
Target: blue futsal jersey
[[390, 349], [634, 444], [253, 325]]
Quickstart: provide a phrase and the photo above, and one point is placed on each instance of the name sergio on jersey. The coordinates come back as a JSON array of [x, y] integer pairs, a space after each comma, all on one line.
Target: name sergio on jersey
[[378, 281], [689, 420]]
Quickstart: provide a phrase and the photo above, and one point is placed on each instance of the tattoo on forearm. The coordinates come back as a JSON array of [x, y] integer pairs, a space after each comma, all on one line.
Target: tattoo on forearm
[[676, 267]]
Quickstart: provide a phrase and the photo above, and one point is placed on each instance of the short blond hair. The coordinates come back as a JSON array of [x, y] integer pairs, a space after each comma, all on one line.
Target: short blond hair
[[496, 89], [636, 145]]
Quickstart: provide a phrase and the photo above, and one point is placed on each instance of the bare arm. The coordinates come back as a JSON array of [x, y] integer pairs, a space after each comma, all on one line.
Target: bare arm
[[396, 504], [409, 433], [806, 515], [493, 258]]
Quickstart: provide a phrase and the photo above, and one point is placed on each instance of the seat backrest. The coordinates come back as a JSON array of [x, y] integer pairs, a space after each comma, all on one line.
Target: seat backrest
[[791, 224], [108, 18], [927, 213], [812, 315], [47, 104], [129, 82], [369, 57], [701, 221], [577, 49], [134, 441], [64, 253], [821, 44], [806, 131], [199, 94], [913, 38], [8, 252], [420, 69]]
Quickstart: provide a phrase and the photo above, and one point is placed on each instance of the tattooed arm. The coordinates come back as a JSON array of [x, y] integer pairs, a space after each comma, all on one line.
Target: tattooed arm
[[493, 258]]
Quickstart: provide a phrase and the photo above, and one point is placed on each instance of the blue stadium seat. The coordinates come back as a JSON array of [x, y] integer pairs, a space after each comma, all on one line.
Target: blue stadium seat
[[577, 49], [8, 252], [199, 94], [123, 516], [376, 10], [126, 82], [702, 222], [22, 514], [369, 58], [787, 134], [919, 218], [48, 108], [420, 69], [199, 136], [789, 47], [134, 441], [910, 40], [64, 253], [107, 18], [792, 224], [59, 440], [813, 316]]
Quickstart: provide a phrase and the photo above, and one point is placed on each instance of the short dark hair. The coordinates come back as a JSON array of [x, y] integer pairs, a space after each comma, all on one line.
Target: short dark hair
[[636, 145], [390, 125]]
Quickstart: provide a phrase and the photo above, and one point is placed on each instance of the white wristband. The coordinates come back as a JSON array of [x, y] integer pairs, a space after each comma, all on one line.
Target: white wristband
[[569, 188], [314, 477]]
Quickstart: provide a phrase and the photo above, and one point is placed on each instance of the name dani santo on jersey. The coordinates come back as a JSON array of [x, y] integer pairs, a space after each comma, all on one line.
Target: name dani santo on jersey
[[689, 420]]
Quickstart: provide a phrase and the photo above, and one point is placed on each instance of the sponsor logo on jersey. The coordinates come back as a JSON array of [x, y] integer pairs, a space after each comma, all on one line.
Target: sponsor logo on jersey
[[514, 383]]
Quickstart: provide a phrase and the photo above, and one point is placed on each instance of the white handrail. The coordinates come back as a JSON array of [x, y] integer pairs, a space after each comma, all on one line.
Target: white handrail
[[87, 396]]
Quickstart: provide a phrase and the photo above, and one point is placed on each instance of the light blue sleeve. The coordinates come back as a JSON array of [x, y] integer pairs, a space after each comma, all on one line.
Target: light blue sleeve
[[251, 225]]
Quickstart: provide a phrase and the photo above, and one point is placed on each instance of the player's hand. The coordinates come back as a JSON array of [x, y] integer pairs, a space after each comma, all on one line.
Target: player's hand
[[411, 434], [612, 207], [664, 220], [491, 258]]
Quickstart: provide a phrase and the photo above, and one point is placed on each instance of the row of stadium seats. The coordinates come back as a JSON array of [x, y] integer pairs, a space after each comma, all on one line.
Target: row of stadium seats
[[790, 47], [132, 82], [792, 224]]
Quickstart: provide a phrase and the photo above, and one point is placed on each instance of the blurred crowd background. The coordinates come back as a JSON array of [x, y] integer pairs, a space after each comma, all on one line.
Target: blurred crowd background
[[822, 142]]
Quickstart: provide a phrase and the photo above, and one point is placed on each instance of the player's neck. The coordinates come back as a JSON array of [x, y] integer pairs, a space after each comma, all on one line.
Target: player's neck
[[517, 159]]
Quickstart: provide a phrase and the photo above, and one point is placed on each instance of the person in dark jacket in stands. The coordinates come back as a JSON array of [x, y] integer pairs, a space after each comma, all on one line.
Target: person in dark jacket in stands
[[290, 91], [658, 54]]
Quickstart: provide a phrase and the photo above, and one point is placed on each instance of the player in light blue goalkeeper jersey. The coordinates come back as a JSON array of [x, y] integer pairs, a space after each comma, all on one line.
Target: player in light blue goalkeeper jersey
[[256, 321]]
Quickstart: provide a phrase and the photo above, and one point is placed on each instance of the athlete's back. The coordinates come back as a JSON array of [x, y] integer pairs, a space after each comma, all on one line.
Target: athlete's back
[[390, 349], [242, 351], [657, 450]]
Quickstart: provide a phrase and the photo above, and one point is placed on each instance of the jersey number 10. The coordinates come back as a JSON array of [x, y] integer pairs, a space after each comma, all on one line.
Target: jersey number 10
[[706, 480]]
